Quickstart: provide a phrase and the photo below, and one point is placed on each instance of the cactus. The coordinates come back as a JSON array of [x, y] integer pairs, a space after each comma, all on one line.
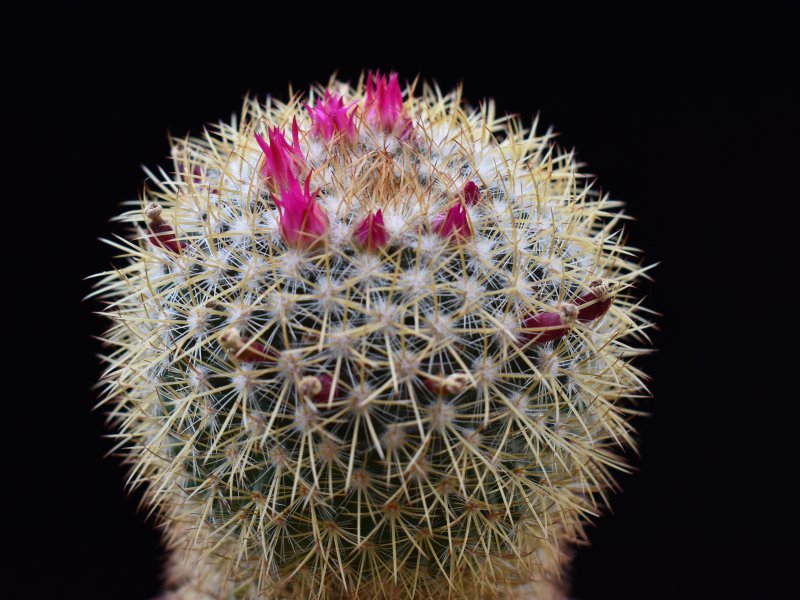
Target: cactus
[[372, 344]]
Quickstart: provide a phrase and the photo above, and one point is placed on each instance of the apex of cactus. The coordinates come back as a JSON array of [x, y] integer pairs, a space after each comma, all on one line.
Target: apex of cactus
[[390, 358]]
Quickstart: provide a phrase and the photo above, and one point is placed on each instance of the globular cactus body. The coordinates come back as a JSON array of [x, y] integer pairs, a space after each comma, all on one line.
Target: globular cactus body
[[386, 358]]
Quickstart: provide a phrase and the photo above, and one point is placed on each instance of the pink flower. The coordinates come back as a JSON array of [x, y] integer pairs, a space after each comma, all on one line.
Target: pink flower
[[453, 221], [330, 119], [383, 105], [302, 221], [371, 233], [281, 161]]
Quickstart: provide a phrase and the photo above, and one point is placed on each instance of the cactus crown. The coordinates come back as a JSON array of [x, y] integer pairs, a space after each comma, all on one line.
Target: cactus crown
[[386, 356]]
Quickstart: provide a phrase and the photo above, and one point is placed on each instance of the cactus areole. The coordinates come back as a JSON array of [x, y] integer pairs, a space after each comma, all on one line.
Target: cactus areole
[[372, 343]]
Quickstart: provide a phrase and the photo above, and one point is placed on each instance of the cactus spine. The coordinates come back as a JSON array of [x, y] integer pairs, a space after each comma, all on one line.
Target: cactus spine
[[373, 346]]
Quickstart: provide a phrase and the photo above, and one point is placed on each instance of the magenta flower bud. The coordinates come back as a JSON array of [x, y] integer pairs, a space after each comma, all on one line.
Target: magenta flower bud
[[383, 105], [595, 303], [454, 221], [160, 233], [281, 161], [302, 220], [371, 233], [471, 193], [547, 326], [330, 119]]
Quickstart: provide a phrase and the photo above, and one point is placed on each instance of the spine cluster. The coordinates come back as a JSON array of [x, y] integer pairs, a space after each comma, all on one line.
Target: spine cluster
[[372, 344]]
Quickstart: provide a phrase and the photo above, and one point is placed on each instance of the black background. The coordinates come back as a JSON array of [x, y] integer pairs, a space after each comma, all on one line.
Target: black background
[[684, 112]]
